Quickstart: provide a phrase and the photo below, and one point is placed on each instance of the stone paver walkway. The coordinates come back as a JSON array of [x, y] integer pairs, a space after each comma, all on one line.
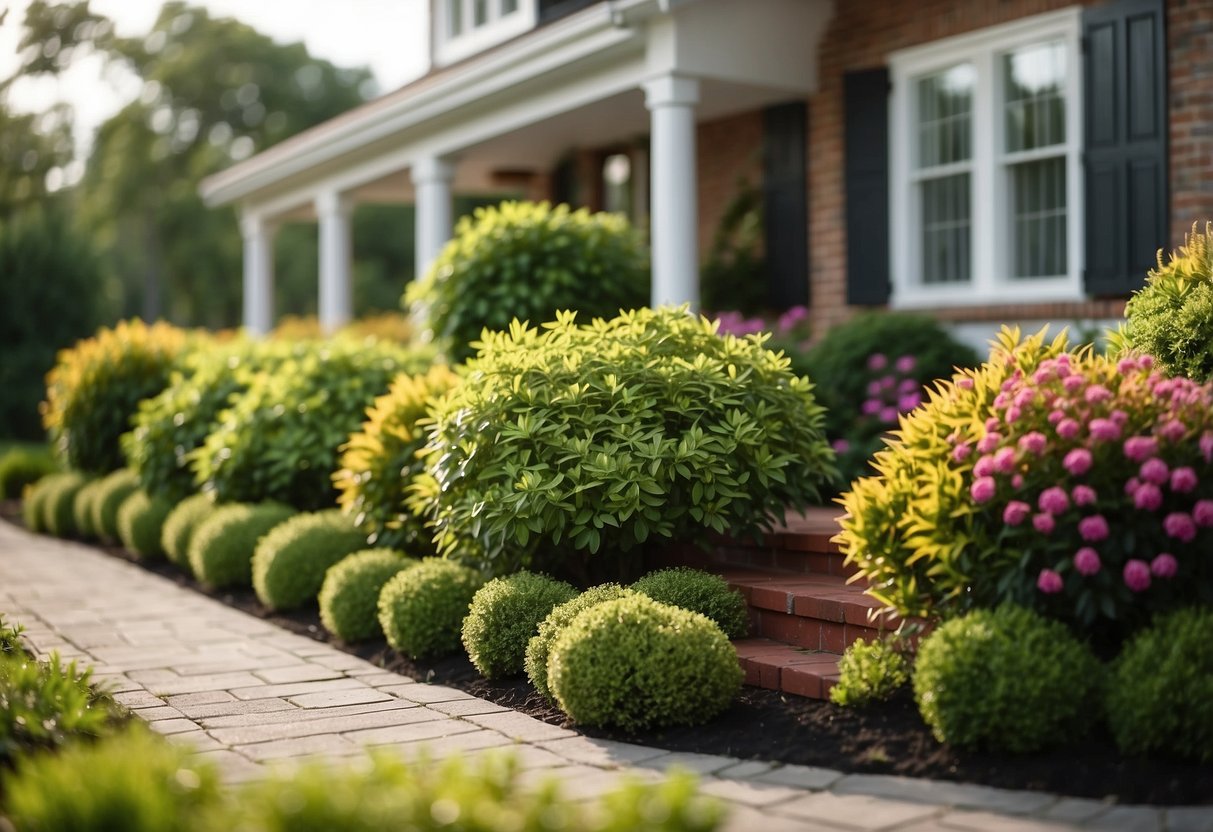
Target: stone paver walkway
[[245, 693]]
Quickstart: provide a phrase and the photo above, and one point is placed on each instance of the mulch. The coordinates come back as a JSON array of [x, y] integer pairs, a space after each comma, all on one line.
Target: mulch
[[887, 738]]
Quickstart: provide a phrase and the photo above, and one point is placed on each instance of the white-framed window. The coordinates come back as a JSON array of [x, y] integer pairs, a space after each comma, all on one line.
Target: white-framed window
[[986, 167], [465, 27]]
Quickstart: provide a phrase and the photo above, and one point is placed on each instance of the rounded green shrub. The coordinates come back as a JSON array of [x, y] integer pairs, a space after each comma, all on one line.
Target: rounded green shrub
[[290, 562], [221, 547], [504, 615], [527, 261], [20, 467], [111, 493], [540, 645], [59, 506], [349, 596], [563, 442], [83, 510], [180, 524], [869, 672], [1005, 679], [636, 664], [379, 462], [701, 592], [141, 524], [1160, 694], [34, 498], [96, 386], [421, 609]]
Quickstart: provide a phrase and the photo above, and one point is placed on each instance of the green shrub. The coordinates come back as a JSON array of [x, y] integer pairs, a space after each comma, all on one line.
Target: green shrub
[[1160, 694], [540, 645], [180, 524], [1171, 317], [59, 506], [421, 609], [111, 493], [698, 591], [290, 562], [869, 672], [573, 439], [279, 440], [46, 704], [83, 510], [20, 467], [379, 462], [34, 499], [528, 261], [134, 781], [141, 524], [636, 664], [96, 386], [10, 639], [349, 596], [1005, 679], [504, 615], [222, 545]]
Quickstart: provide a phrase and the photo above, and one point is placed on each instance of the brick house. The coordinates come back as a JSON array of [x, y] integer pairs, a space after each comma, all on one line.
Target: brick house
[[981, 160]]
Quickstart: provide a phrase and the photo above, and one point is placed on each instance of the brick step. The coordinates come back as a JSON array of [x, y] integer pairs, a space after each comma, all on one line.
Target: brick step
[[780, 667]]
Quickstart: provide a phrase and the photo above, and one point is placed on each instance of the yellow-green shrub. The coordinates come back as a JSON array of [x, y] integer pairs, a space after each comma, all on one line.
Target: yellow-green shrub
[[141, 524], [421, 609], [504, 615], [349, 596], [289, 562], [540, 646], [59, 502], [701, 592], [221, 547], [112, 491], [83, 505], [869, 672], [180, 524], [20, 467]]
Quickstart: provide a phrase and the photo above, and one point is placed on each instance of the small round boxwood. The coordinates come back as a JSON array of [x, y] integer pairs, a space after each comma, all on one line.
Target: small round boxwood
[[33, 505], [634, 664], [58, 508], [421, 609], [289, 564], [869, 672], [221, 549], [110, 494], [180, 524], [540, 645], [349, 597], [82, 510], [1005, 679], [698, 591], [141, 523], [20, 467], [503, 617], [1160, 695]]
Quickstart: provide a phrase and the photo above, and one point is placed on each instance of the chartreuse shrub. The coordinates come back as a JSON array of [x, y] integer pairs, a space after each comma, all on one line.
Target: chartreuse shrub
[[279, 440], [634, 664], [540, 645], [96, 386], [869, 671], [289, 562], [221, 547], [10, 638], [701, 592], [33, 505], [504, 615], [421, 609], [83, 505], [111, 493], [1171, 317], [46, 704], [1160, 694], [59, 502], [527, 261], [1006, 678], [141, 524], [379, 462], [574, 439], [180, 524], [20, 467], [349, 596]]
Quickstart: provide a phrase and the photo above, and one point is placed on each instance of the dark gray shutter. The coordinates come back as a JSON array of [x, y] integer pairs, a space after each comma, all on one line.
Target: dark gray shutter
[[1125, 72], [866, 114], [784, 204]]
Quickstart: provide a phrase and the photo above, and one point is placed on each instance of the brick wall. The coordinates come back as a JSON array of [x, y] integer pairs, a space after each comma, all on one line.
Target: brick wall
[[729, 153], [1190, 61]]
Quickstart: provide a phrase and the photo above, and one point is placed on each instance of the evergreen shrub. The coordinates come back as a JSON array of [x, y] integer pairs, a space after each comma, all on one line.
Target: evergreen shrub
[[20, 467], [180, 524], [112, 491], [141, 524], [221, 546], [539, 647], [421, 609], [289, 562], [349, 596], [504, 615], [869, 672], [701, 592]]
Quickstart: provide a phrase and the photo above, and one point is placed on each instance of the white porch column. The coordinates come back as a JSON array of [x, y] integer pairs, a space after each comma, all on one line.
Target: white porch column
[[674, 222], [432, 184], [258, 236], [333, 212]]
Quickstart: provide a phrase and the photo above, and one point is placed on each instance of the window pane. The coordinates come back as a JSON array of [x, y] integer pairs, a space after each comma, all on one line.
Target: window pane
[[1034, 83], [480, 12], [1039, 217], [454, 17], [509, 6], [945, 229], [945, 104]]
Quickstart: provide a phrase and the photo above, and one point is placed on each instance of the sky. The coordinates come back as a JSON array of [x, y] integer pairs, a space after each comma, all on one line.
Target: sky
[[389, 36]]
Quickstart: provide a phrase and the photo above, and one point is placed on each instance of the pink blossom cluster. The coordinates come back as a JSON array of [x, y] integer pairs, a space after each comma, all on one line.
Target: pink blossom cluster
[[735, 323], [892, 388]]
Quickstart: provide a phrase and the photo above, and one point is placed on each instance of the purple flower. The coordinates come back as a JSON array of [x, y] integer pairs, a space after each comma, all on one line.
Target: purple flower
[[1173, 430], [1068, 428], [906, 364], [1104, 430], [1141, 448], [877, 361], [961, 452], [1004, 460], [873, 388], [1078, 461], [1016, 512], [1131, 486], [909, 401], [788, 320], [1093, 529], [1179, 526], [992, 425], [908, 385], [1025, 397], [1043, 523], [1119, 418], [1137, 575], [840, 446], [1097, 393], [1053, 500], [1155, 471], [1013, 413], [887, 382], [1074, 383], [1147, 497], [1083, 495], [984, 467], [1184, 480], [1202, 513], [983, 489], [1164, 565], [989, 442], [1086, 561], [888, 415], [1056, 416], [871, 407], [1206, 446], [1034, 443], [1146, 361], [1126, 366], [1049, 582], [1017, 481]]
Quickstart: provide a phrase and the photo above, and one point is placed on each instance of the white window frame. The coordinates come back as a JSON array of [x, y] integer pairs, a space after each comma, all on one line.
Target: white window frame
[[498, 28], [990, 190]]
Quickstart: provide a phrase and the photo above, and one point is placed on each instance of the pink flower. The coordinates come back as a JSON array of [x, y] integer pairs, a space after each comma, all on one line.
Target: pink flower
[[789, 319], [983, 489], [1141, 448], [1083, 495], [909, 401], [1000, 401], [1056, 416], [1016, 512], [992, 425], [1132, 485], [1137, 575], [1147, 497], [1206, 446], [1078, 461], [1025, 397], [906, 364], [1202, 513], [1097, 393], [877, 361], [1053, 500], [964, 383], [1179, 526], [1074, 383], [1086, 561], [888, 415], [1126, 366], [984, 467], [1146, 362], [1068, 428], [907, 385], [873, 388], [1049, 582], [840, 446], [1013, 414], [1164, 565], [1155, 471], [961, 452], [1172, 430], [1017, 481], [1004, 460], [1043, 523], [1034, 443], [1093, 529], [887, 383], [1119, 418], [1104, 430], [1184, 480], [871, 407], [989, 442]]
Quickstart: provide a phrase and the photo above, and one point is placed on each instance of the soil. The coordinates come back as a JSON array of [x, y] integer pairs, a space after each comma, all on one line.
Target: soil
[[887, 738]]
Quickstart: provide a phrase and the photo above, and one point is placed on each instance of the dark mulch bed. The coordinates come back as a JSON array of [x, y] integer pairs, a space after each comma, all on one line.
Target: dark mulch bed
[[889, 738]]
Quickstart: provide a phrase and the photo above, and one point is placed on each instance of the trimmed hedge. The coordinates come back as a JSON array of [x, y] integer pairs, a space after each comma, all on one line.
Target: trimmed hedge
[[349, 597], [20, 467], [111, 493], [504, 615], [540, 646], [180, 524], [83, 510], [421, 609], [290, 562], [221, 548], [701, 592], [141, 524], [869, 672], [58, 508]]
